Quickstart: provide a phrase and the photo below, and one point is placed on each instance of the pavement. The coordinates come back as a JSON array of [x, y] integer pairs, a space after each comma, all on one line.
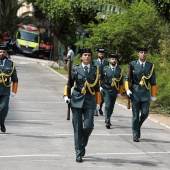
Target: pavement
[[39, 137]]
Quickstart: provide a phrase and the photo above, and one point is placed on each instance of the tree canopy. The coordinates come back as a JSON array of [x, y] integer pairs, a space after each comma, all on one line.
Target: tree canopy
[[8, 17], [140, 25]]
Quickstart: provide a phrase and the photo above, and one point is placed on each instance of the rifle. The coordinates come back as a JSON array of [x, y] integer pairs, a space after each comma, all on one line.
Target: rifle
[[69, 90], [129, 80], [101, 72]]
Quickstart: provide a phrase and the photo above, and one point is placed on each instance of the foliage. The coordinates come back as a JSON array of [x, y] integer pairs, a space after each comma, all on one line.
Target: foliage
[[8, 17], [163, 81], [59, 70], [67, 16], [138, 26], [163, 7]]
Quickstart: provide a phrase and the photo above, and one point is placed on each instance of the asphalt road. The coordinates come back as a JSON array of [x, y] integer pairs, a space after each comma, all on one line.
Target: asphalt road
[[39, 137]]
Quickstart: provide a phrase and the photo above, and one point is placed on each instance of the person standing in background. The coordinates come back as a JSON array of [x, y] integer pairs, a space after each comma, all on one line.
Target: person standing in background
[[69, 57], [42, 49], [47, 51]]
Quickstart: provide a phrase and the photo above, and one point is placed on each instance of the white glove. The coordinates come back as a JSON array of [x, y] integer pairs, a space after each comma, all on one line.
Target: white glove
[[13, 94], [101, 89], [66, 99], [129, 93], [118, 95], [153, 98], [97, 107]]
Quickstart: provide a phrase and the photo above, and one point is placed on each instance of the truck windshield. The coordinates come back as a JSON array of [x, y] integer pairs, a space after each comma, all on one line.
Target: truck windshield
[[28, 36]]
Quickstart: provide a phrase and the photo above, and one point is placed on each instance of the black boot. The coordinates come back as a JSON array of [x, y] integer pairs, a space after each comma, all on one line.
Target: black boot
[[3, 129]]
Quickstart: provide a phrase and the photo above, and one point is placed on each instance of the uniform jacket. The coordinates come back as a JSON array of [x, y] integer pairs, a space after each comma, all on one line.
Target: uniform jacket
[[7, 69], [140, 93], [78, 78], [98, 63], [109, 74]]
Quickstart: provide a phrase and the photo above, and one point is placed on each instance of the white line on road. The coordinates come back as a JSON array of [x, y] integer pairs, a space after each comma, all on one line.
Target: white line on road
[[118, 153], [14, 156], [136, 153]]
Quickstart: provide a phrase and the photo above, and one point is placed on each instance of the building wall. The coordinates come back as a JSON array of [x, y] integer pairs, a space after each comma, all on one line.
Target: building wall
[[25, 8]]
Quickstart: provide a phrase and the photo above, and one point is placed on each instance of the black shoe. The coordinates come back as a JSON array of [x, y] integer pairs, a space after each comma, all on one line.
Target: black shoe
[[96, 113], [101, 112], [3, 129], [79, 159], [108, 126], [136, 140]]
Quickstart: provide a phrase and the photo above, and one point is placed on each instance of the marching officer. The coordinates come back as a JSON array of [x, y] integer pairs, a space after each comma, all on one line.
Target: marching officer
[[85, 99], [8, 74], [100, 62], [139, 75], [112, 86]]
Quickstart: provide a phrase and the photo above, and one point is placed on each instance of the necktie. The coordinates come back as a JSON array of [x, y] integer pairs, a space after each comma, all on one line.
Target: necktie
[[86, 70], [142, 65]]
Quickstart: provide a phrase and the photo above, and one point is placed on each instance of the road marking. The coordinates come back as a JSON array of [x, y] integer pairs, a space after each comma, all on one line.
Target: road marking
[[14, 156], [57, 73], [39, 102], [118, 153], [137, 153]]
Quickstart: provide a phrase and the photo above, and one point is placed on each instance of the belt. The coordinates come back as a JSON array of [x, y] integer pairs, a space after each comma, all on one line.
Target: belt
[[78, 90], [138, 83]]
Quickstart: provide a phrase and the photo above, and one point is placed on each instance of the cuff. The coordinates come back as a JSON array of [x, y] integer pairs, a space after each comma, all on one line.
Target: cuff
[[120, 89], [14, 87], [154, 90], [98, 97], [126, 85], [65, 91]]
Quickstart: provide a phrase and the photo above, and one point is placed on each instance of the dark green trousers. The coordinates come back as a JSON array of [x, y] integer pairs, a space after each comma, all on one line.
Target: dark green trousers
[[4, 103], [109, 100], [137, 118], [83, 124]]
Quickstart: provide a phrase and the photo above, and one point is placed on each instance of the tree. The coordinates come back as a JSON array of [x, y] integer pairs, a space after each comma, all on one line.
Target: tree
[[163, 7], [8, 17], [67, 15], [139, 25]]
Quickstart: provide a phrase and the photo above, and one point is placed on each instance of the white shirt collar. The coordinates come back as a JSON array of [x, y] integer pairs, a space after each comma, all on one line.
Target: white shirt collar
[[142, 62], [86, 65], [113, 67], [4, 61]]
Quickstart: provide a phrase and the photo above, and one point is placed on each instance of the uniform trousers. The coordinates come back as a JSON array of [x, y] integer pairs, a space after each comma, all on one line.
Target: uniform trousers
[[137, 118], [109, 99], [83, 124], [4, 104]]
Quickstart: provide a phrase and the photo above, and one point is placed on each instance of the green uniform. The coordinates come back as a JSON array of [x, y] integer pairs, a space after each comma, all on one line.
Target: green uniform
[[140, 92], [113, 79], [83, 105], [7, 74], [98, 63]]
